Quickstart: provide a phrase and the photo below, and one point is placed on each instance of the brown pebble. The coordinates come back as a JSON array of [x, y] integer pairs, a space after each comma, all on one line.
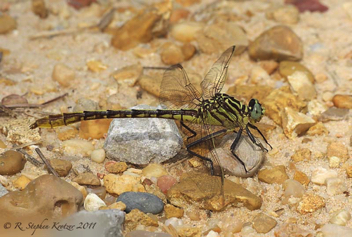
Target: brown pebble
[[2, 145], [342, 101], [172, 211], [11, 162], [263, 223], [87, 178], [116, 167], [38, 8], [275, 174], [7, 24], [66, 133], [301, 177], [277, 43], [21, 182], [302, 154], [178, 14], [337, 149], [63, 75], [318, 129], [62, 167], [99, 191], [172, 54], [188, 50], [269, 66], [136, 217]]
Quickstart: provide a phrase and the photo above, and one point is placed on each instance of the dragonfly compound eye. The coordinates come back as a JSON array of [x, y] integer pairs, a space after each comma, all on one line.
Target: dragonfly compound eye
[[256, 109]]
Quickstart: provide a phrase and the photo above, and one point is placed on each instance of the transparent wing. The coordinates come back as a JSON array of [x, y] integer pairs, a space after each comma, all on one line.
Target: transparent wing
[[176, 91], [217, 75]]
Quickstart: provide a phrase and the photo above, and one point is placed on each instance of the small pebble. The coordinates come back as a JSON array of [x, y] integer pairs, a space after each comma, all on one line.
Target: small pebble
[[128, 74], [339, 150], [316, 108], [66, 133], [100, 191], [165, 182], [310, 203], [11, 162], [116, 205], [154, 170], [327, 96], [77, 147], [116, 167], [175, 222], [171, 54], [293, 189], [320, 175], [303, 154], [301, 85], [98, 155], [96, 66], [62, 167], [63, 75], [301, 177], [334, 162], [21, 182], [94, 129], [286, 14], [308, 5], [119, 184], [186, 31], [7, 23], [172, 211], [80, 188], [269, 66], [275, 174], [340, 217], [334, 114], [318, 129], [263, 223], [333, 230], [295, 123], [2, 145], [92, 202], [87, 178], [342, 101], [145, 202], [38, 8], [335, 186], [83, 104]]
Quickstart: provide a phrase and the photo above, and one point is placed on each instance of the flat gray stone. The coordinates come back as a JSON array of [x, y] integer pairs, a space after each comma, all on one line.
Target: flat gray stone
[[104, 223], [3, 190], [142, 140], [145, 202]]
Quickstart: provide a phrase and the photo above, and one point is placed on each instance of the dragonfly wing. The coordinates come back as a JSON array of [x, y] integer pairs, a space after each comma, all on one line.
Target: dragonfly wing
[[217, 75], [176, 91]]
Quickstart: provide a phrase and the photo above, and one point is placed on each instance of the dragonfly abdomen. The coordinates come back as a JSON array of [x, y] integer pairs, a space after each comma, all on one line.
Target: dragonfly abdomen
[[64, 119]]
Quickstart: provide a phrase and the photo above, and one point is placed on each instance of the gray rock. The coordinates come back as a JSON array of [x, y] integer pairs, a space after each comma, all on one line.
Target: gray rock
[[145, 202], [142, 140], [3, 190], [104, 223]]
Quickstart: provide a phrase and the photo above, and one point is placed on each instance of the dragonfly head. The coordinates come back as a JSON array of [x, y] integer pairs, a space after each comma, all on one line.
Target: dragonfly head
[[256, 111]]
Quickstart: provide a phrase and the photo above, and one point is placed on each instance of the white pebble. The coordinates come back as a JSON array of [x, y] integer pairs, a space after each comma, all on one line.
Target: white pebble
[[293, 188], [320, 175], [93, 202], [175, 222], [212, 234], [340, 218], [332, 230], [77, 147], [98, 155], [186, 32], [335, 186]]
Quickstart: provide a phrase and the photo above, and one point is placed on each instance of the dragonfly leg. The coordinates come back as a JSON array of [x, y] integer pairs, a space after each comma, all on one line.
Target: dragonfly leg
[[261, 134], [250, 135], [188, 129], [204, 139], [233, 147]]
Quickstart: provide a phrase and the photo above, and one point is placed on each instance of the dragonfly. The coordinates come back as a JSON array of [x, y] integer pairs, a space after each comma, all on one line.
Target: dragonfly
[[204, 115]]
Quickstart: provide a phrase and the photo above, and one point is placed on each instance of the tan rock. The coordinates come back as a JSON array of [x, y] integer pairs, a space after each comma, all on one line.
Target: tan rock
[[178, 14], [11, 162], [275, 174], [278, 43], [39, 199], [172, 211], [154, 170], [171, 54], [2, 145], [342, 101], [116, 167], [288, 68], [205, 191], [337, 149], [77, 147], [116, 205], [38, 8], [66, 133], [310, 203], [147, 24], [301, 85], [219, 36], [80, 188], [62, 167], [187, 3], [136, 217], [96, 66], [7, 24], [188, 50], [278, 100], [263, 223], [94, 129], [150, 84], [21, 182], [269, 66], [128, 74], [189, 231], [318, 129], [87, 178], [286, 14], [98, 155], [63, 75], [119, 184], [301, 177], [302, 154], [295, 123], [186, 31]]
